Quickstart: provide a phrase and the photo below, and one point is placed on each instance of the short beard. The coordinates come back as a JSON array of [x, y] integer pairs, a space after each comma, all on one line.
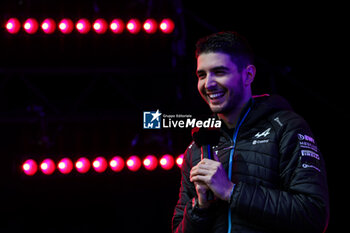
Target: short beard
[[236, 101]]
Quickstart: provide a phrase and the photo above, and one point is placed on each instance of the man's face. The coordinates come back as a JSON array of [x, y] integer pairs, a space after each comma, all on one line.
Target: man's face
[[219, 82]]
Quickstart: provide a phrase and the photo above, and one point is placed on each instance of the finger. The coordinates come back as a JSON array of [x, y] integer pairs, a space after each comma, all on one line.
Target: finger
[[199, 183], [209, 162], [206, 166], [205, 161], [202, 164], [205, 169], [200, 178], [201, 187], [194, 169], [198, 171]]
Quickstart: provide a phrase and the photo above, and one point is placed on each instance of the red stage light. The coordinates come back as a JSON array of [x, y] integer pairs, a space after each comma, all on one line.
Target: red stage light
[[167, 26], [99, 164], [47, 166], [83, 26], [167, 162], [48, 26], [31, 25], [66, 26], [100, 26], [133, 26], [150, 26], [65, 166], [116, 164], [133, 163], [13, 25], [82, 165], [180, 160], [30, 167], [117, 26], [150, 162]]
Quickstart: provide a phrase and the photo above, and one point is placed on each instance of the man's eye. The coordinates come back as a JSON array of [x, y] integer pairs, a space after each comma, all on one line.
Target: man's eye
[[220, 73], [201, 75]]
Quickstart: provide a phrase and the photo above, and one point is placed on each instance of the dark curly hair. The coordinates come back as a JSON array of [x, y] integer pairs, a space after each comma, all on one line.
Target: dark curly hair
[[230, 43]]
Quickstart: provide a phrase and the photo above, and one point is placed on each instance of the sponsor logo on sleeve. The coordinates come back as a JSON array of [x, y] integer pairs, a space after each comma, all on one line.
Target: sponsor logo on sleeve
[[310, 154], [305, 137], [305, 165], [308, 145], [310, 159]]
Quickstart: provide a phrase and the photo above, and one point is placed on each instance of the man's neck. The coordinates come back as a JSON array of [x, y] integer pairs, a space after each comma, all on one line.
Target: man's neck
[[231, 118]]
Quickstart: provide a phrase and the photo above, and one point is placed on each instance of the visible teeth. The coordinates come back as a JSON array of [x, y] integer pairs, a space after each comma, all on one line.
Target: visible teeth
[[212, 96]]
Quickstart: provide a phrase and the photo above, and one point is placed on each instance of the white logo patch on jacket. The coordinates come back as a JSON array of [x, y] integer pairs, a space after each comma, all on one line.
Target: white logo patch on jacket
[[263, 134]]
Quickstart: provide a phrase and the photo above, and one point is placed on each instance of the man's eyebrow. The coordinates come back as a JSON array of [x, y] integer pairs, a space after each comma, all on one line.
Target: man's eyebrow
[[220, 68], [214, 69]]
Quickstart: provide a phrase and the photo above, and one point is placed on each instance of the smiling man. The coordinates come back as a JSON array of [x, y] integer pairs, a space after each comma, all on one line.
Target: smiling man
[[224, 86], [267, 174]]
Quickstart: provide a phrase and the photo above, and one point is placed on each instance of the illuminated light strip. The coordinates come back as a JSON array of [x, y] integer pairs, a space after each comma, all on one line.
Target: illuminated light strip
[[31, 25], [150, 26], [66, 26], [65, 165], [13, 25], [100, 164], [47, 166], [117, 26], [30, 167], [100, 26], [167, 162], [150, 162], [83, 26], [48, 26], [133, 26], [117, 164]]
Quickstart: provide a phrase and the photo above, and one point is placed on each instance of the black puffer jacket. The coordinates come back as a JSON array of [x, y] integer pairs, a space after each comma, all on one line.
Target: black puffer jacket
[[279, 174]]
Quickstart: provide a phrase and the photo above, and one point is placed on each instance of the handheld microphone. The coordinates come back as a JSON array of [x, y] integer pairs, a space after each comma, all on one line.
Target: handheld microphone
[[205, 138]]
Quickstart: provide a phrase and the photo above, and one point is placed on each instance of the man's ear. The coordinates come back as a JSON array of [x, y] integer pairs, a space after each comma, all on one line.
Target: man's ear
[[249, 73]]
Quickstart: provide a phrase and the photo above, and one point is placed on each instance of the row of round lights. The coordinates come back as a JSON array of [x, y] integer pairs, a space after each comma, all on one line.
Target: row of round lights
[[100, 164], [83, 26]]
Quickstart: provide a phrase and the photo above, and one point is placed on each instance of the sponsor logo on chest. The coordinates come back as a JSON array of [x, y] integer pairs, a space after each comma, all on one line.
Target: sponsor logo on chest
[[263, 136]]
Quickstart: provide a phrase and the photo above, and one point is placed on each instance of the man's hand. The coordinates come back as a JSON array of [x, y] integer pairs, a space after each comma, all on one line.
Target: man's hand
[[202, 192], [210, 174]]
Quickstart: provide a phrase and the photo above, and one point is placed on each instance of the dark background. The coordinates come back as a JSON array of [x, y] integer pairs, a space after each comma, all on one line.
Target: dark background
[[73, 95]]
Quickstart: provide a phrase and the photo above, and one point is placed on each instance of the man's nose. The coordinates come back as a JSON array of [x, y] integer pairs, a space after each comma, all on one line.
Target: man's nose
[[210, 83]]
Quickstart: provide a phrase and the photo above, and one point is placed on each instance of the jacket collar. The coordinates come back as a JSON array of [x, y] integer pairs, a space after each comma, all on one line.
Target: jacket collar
[[261, 107]]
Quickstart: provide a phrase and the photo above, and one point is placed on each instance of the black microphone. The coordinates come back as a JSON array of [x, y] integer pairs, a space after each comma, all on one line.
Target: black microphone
[[206, 138]]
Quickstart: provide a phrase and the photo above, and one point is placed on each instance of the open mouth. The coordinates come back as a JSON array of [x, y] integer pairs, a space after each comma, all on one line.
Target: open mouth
[[216, 95]]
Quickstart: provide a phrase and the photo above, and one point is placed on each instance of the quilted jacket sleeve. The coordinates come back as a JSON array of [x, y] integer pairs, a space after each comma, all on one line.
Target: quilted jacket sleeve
[[301, 202], [185, 219]]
